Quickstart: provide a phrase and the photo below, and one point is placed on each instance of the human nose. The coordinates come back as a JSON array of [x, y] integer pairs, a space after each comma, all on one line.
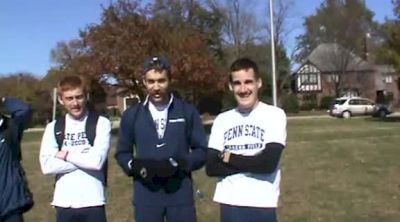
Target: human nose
[[242, 88], [74, 102], [156, 86]]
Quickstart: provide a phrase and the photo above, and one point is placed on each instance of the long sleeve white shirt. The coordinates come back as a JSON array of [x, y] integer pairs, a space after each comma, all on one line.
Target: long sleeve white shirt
[[79, 185]]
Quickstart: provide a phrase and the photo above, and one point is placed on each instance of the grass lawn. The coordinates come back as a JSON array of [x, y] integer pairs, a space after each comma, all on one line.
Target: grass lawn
[[333, 170]]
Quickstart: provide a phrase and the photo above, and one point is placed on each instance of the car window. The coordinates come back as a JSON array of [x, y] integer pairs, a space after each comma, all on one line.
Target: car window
[[365, 102], [354, 102], [339, 101]]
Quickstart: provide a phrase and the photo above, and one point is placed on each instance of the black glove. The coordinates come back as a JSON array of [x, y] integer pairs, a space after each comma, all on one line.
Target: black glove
[[148, 169], [183, 165], [166, 168]]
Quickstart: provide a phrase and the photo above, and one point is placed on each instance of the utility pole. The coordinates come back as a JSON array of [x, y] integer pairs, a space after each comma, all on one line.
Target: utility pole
[[271, 18], [54, 103]]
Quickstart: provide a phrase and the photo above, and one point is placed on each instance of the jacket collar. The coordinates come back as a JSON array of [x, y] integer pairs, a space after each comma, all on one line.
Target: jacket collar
[[171, 99]]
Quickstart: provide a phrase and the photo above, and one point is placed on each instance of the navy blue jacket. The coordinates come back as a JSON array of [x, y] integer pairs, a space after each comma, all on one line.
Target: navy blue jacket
[[15, 196], [184, 138]]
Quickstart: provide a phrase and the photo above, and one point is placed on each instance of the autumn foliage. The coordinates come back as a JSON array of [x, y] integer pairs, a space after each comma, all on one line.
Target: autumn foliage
[[129, 33]]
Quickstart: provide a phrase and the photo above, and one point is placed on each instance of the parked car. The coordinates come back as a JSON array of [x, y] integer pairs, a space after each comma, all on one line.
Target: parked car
[[347, 107]]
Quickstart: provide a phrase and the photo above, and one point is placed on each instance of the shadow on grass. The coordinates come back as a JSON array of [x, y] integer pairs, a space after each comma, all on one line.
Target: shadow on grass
[[115, 131], [385, 119]]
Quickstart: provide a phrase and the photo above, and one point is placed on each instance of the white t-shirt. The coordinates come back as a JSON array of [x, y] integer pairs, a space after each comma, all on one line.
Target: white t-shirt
[[160, 116], [79, 186], [247, 134]]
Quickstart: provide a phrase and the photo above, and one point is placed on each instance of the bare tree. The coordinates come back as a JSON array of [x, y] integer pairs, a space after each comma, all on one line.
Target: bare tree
[[241, 26]]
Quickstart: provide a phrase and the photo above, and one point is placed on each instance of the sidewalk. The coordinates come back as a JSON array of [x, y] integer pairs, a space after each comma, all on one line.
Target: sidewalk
[[210, 119]]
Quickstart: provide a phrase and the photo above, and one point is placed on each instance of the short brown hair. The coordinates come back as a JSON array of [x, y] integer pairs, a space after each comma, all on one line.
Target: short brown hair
[[71, 82], [244, 64]]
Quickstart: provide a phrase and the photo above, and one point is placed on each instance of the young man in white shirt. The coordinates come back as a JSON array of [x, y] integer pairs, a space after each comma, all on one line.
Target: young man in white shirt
[[79, 193], [245, 146]]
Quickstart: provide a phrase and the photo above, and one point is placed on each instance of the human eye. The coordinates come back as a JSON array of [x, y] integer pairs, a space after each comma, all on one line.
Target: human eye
[[150, 81], [236, 83], [162, 81], [249, 81]]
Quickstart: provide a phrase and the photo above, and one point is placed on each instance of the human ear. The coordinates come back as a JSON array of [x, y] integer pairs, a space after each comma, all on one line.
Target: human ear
[[60, 100]]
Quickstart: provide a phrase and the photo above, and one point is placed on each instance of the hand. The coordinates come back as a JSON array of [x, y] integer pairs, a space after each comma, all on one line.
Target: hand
[[62, 154], [226, 156], [148, 169], [165, 168]]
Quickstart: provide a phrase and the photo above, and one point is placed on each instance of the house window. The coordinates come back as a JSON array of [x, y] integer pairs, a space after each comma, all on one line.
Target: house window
[[388, 79], [309, 79], [350, 92], [333, 78], [130, 100]]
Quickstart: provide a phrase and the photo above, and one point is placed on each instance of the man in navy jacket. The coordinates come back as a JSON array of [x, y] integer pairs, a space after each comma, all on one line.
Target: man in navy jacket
[[170, 143], [15, 196]]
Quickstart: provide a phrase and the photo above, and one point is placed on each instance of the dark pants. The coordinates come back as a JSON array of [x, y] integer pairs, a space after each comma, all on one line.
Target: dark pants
[[185, 213], [231, 213], [12, 218], [87, 214]]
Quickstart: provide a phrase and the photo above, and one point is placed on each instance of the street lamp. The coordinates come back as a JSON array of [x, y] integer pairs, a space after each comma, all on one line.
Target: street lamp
[[271, 18]]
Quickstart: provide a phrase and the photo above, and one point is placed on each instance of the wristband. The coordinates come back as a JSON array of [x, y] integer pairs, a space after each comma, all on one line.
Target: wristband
[[65, 156]]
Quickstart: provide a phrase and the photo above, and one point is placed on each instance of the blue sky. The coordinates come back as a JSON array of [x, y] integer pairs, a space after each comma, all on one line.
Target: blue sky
[[30, 29]]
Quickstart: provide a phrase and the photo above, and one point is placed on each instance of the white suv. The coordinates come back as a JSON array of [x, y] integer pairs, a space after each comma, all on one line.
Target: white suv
[[351, 106]]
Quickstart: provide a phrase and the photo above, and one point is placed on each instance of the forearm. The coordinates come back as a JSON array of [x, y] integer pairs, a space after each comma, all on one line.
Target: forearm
[[215, 166], [126, 139], [264, 162], [20, 111], [218, 168], [124, 154], [17, 108], [196, 159], [49, 163], [53, 165], [89, 161], [93, 157]]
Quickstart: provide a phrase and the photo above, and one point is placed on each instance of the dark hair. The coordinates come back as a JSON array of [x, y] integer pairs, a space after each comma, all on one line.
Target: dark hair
[[158, 63], [243, 64]]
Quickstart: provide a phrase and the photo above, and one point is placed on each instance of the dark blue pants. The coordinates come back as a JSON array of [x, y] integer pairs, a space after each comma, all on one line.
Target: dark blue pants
[[86, 214], [184, 213], [13, 218], [231, 213]]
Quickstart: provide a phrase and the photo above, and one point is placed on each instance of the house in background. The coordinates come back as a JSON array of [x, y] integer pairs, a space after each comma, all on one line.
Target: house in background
[[119, 99], [331, 70]]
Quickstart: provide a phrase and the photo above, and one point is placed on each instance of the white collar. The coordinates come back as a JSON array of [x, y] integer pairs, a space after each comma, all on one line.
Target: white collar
[[147, 100], [78, 120]]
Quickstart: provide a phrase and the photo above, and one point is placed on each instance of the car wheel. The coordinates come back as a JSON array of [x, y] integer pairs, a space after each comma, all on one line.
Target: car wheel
[[382, 113], [346, 114]]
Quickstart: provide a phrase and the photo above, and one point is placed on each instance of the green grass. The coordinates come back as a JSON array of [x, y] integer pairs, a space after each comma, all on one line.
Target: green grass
[[333, 170]]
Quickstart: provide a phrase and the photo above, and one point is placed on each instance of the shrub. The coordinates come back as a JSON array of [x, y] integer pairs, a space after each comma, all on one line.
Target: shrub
[[290, 103], [326, 102], [309, 102]]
